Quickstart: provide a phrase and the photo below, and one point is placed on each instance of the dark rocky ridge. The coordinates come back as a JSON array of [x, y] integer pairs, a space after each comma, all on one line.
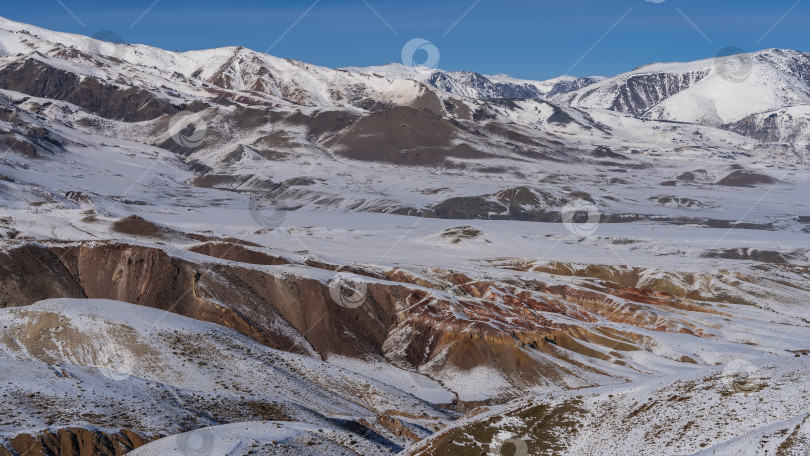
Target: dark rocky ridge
[[129, 104], [781, 126], [466, 83], [746, 178], [639, 93]]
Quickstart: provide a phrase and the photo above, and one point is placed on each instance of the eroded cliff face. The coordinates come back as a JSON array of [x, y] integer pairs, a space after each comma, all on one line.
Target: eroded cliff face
[[529, 332], [75, 441], [30, 273], [274, 306]]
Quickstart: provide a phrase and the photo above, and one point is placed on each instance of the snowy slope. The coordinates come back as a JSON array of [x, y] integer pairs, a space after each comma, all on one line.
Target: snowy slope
[[265, 438], [709, 92], [111, 348], [740, 408]]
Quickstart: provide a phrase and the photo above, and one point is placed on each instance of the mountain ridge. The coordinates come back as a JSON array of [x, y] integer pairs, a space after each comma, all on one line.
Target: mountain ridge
[[634, 92]]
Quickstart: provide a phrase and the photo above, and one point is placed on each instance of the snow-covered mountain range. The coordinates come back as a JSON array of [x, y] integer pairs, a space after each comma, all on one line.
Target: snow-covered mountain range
[[225, 252], [474, 85]]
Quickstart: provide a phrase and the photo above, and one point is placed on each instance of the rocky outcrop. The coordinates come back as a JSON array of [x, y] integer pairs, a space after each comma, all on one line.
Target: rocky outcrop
[[27, 135], [273, 308], [787, 125], [240, 254], [150, 277], [634, 93], [641, 92], [518, 203], [746, 178], [403, 136], [138, 226], [129, 104], [74, 442]]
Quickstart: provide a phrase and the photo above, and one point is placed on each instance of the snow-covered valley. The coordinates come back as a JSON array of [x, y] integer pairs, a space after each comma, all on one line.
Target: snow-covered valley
[[223, 252]]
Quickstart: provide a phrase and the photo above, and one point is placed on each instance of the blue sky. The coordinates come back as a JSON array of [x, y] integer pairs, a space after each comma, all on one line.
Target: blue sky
[[535, 39]]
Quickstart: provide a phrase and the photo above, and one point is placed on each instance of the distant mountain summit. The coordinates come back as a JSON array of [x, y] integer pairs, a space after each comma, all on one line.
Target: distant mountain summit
[[479, 86], [709, 92]]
